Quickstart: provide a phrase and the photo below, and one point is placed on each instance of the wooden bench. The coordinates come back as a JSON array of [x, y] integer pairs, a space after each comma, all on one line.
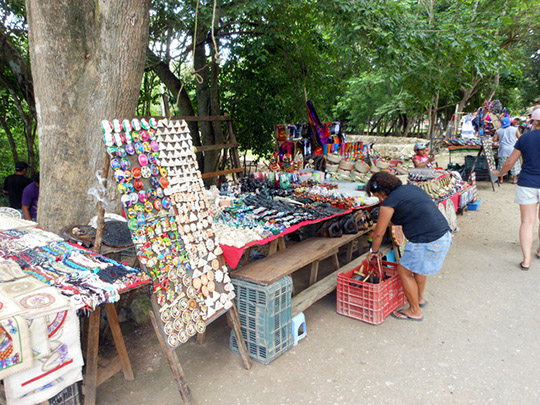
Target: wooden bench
[[285, 262]]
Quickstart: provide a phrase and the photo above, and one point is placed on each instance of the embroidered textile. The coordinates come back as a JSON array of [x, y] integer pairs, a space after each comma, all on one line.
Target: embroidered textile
[[54, 371], [15, 352]]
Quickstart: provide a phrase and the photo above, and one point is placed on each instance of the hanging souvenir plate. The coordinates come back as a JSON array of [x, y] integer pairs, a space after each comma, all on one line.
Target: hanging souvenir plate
[[451, 215], [442, 208]]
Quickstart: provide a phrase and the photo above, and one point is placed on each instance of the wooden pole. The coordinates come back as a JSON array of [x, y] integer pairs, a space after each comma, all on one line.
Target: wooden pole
[[101, 209], [234, 318], [91, 371], [170, 354]]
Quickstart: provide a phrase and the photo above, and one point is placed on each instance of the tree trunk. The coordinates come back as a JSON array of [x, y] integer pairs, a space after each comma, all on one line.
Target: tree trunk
[[215, 108], [377, 124], [87, 60], [467, 94], [11, 139], [494, 87], [29, 135], [408, 126], [175, 86], [204, 104]]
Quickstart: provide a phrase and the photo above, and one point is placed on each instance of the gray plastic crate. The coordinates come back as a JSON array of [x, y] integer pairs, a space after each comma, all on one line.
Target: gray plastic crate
[[265, 317], [68, 396]]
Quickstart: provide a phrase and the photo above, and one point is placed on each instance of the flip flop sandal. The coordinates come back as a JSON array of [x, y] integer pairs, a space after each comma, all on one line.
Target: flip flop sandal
[[523, 267], [405, 317]]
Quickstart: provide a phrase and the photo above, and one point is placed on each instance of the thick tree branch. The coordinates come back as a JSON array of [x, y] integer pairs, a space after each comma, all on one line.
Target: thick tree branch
[[11, 56], [176, 87]]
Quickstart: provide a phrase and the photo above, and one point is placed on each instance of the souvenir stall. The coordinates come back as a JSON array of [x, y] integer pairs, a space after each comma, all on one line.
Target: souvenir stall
[[164, 199], [267, 206], [447, 189], [45, 283]]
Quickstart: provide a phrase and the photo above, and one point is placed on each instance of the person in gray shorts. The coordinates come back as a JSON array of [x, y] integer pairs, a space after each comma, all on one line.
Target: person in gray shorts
[[528, 190]]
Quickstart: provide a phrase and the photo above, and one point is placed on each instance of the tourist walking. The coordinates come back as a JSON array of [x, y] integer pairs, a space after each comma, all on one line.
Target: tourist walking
[[528, 190]]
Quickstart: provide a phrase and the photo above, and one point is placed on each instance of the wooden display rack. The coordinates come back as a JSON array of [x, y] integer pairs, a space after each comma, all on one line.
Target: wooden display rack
[[94, 376], [487, 151]]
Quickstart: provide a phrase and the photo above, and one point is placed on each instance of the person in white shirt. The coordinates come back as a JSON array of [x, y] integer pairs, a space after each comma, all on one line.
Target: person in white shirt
[[507, 137]]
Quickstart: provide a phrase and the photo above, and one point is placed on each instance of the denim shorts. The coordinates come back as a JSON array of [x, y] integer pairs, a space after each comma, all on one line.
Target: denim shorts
[[426, 258]]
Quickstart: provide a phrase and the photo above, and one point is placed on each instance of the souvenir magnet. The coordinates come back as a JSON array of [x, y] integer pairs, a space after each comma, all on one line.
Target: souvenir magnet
[[106, 126], [146, 172], [127, 137], [117, 127], [142, 196], [143, 160], [148, 206], [108, 139], [123, 189], [119, 176], [126, 126], [125, 199], [125, 164], [136, 172], [136, 124], [133, 225], [118, 139], [138, 184], [163, 181], [139, 148], [130, 149]]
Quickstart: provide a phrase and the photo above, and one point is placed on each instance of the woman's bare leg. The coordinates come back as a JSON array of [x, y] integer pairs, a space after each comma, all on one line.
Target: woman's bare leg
[[526, 231], [411, 289], [421, 283]]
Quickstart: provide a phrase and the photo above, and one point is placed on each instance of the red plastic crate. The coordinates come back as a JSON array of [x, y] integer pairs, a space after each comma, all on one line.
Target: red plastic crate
[[370, 303]]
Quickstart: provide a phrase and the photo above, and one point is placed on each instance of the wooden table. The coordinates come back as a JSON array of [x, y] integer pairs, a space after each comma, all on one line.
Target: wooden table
[[309, 252], [93, 375]]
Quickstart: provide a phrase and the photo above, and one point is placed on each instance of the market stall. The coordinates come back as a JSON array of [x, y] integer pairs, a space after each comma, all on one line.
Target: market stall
[[47, 284]]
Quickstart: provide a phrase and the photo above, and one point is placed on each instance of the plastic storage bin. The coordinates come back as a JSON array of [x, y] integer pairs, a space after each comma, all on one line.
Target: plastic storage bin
[[265, 318], [68, 396], [367, 302], [473, 206]]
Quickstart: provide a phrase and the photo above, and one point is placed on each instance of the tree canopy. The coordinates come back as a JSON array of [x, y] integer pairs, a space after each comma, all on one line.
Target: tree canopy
[[390, 63]]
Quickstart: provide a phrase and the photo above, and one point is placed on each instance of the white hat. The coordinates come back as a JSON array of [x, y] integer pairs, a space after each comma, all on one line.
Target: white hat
[[419, 146]]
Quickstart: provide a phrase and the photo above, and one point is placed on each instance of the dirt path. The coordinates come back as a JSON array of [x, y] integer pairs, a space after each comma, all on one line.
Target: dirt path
[[477, 344]]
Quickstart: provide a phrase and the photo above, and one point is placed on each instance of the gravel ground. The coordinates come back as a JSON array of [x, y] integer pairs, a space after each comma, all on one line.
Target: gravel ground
[[477, 344]]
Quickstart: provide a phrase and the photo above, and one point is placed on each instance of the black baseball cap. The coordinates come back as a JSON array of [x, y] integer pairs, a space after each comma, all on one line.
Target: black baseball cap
[[21, 166]]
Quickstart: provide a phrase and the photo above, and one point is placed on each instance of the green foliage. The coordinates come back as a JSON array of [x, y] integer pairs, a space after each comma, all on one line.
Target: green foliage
[[359, 61]]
